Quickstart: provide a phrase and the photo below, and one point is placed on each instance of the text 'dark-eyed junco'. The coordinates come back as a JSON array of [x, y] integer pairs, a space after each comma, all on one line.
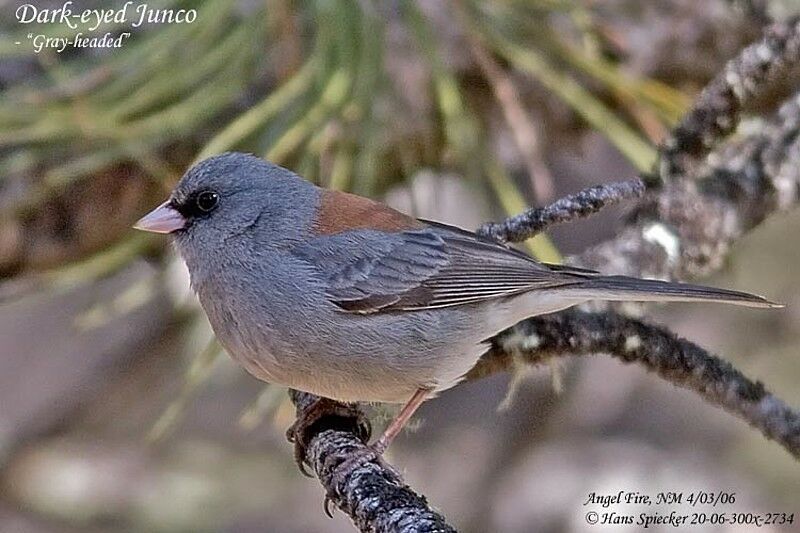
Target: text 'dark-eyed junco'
[[346, 298]]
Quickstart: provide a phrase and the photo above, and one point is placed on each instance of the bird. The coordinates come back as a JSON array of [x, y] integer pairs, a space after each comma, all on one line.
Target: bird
[[343, 297]]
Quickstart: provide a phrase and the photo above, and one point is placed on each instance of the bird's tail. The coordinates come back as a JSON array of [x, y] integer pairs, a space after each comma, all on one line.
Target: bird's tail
[[622, 288]]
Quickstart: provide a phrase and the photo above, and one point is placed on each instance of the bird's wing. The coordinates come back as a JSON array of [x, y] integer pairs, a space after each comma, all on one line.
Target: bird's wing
[[368, 271], [372, 259]]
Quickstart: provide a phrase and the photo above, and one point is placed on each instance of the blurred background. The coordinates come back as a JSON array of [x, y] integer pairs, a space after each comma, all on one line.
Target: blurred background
[[117, 410]]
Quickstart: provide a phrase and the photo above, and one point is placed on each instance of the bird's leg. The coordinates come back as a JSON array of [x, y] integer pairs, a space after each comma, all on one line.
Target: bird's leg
[[400, 420], [374, 451], [324, 413]]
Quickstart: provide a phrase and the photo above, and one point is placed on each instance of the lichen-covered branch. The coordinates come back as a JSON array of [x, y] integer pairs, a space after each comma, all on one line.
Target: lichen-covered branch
[[685, 229], [761, 71], [361, 484], [677, 360], [587, 202]]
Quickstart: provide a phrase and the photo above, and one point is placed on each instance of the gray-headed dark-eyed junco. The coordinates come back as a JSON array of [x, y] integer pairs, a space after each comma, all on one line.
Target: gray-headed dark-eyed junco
[[346, 298]]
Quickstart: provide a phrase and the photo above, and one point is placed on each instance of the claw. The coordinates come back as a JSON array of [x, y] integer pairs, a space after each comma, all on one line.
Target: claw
[[300, 432], [294, 437], [328, 506]]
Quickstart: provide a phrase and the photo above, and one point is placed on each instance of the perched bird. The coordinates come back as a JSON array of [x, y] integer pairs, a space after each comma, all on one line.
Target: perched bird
[[343, 297]]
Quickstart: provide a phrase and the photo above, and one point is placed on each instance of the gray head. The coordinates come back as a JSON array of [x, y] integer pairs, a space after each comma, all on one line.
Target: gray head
[[225, 196]]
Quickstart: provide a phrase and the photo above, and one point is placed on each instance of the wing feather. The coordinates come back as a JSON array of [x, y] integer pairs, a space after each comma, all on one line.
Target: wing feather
[[433, 266], [429, 268]]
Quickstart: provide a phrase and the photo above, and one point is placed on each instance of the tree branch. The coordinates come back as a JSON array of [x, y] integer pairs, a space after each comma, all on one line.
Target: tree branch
[[677, 360], [361, 484], [685, 229], [583, 204], [761, 70]]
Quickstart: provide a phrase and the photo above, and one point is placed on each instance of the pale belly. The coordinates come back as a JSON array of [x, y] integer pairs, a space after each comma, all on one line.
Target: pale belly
[[376, 358], [390, 375]]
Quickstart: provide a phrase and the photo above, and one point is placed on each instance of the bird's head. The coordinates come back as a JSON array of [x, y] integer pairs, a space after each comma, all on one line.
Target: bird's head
[[229, 195]]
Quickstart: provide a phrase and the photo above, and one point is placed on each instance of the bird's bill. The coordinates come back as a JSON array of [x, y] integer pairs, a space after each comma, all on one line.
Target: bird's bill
[[162, 219]]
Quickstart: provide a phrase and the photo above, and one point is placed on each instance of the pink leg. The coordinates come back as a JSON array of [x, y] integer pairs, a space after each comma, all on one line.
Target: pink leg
[[400, 421]]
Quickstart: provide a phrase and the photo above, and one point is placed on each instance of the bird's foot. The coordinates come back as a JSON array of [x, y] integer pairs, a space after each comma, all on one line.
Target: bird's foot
[[320, 415]]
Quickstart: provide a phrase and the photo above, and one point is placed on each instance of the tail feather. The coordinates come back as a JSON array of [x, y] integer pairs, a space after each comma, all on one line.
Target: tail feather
[[622, 288]]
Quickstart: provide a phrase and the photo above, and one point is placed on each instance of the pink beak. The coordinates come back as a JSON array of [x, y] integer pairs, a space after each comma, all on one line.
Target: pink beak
[[162, 219]]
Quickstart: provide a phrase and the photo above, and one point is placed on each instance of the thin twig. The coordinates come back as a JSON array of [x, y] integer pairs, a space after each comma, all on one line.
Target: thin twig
[[587, 202]]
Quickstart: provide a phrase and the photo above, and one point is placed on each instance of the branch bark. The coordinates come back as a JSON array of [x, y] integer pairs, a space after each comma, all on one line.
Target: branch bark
[[685, 229], [361, 484], [762, 71], [677, 360]]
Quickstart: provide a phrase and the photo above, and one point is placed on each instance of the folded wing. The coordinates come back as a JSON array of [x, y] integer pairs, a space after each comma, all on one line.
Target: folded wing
[[439, 266], [370, 271]]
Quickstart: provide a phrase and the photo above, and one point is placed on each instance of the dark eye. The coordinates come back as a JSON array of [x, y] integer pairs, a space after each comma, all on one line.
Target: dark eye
[[207, 201]]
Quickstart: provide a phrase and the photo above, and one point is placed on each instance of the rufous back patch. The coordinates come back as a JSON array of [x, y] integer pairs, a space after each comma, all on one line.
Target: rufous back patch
[[341, 211]]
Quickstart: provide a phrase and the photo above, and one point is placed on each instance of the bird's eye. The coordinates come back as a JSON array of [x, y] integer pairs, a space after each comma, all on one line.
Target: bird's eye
[[207, 201]]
